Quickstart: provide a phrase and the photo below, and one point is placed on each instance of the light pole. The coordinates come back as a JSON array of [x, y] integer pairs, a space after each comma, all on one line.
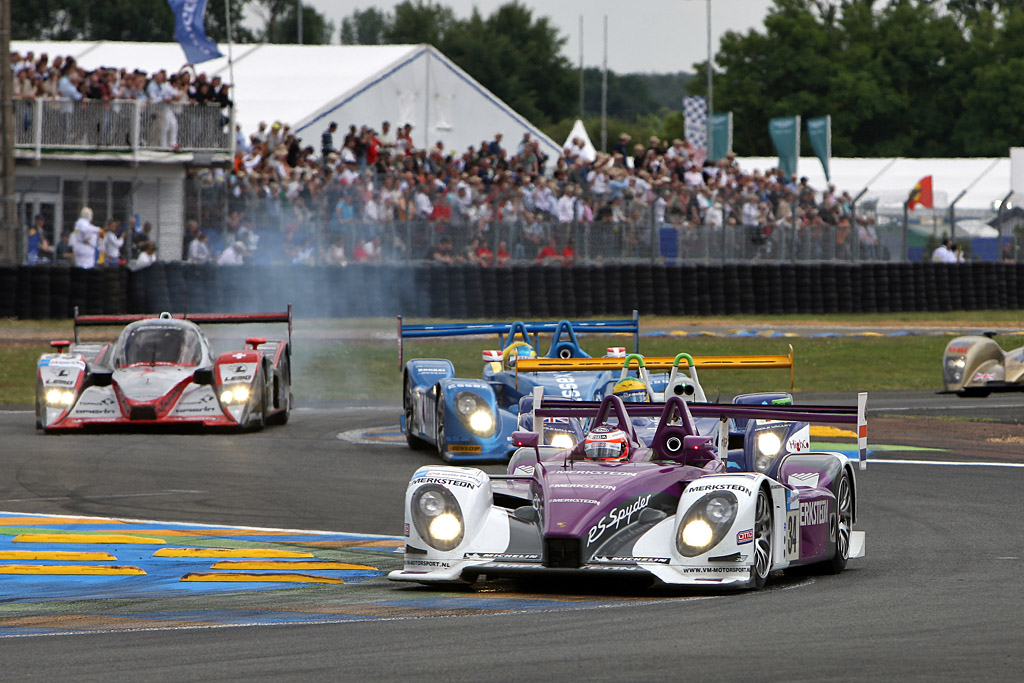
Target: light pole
[[711, 99]]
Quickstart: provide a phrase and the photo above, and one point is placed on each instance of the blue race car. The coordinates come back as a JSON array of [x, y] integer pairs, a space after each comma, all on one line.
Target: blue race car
[[473, 419], [643, 380]]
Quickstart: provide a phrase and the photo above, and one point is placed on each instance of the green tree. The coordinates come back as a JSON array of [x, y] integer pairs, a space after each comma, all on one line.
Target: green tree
[[418, 22], [365, 27], [141, 20]]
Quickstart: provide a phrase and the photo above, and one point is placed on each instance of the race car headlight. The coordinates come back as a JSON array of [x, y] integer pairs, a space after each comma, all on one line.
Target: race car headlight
[[58, 397], [237, 394], [955, 368], [706, 522], [562, 440], [767, 449], [474, 413], [437, 516]]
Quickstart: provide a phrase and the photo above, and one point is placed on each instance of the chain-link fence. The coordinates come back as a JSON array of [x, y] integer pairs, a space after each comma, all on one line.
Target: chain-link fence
[[384, 218]]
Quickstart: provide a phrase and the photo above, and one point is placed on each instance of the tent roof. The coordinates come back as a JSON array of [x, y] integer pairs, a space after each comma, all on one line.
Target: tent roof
[[985, 180], [301, 84]]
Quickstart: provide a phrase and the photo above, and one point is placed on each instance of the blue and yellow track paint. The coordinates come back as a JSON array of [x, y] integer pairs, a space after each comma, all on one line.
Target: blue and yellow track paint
[[229, 552], [270, 577], [264, 565], [70, 570]]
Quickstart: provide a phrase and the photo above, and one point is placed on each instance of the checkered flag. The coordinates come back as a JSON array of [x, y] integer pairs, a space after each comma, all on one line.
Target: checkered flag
[[695, 114]]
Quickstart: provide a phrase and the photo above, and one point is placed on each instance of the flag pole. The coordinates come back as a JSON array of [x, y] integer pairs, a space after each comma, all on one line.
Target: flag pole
[[231, 78]]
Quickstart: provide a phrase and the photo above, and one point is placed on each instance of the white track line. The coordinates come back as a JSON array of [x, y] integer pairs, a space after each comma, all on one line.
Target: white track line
[[949, 463]]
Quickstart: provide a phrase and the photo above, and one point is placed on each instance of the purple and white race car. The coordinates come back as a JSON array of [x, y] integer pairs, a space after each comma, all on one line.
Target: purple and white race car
[[674, 512]]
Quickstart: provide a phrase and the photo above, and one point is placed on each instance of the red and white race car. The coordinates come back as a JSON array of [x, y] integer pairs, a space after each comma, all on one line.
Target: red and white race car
[[161, 370]]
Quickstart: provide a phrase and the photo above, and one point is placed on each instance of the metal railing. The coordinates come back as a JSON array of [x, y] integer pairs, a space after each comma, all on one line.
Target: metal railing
[[119, 125]]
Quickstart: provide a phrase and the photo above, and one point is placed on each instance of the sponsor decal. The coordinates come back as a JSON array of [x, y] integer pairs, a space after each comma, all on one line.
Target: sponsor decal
[[407, 529], [803, 479], [605, 473], [606, 558], [797, 445], [609, 487], [501, 556], [588, 501], [238, 378], [718, 487], [523, 469], [94, 411], [792, 500], [567, 386], [614, 568], [814, 512], [714, 570], [60, 383], [619, 516], [956, 349], [66, 363], [446, 481], [983, 377], [431, 371], [464, 448], [791, 535], [744, 537], [429, 563], [107, 401], [466, 385]]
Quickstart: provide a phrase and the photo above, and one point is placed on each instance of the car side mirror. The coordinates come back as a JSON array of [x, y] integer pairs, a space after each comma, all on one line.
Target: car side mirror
[[203, 376]]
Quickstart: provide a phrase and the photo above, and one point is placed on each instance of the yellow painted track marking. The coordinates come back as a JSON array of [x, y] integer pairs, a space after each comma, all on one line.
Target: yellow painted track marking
[[56, 555], [823, 430], [228, 552], [43, 521], [87, 538], [259, 578], [243, 564], [67, 570]]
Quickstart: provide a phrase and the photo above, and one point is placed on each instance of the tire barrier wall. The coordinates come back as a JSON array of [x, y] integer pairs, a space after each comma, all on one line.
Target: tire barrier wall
[[521, 291]]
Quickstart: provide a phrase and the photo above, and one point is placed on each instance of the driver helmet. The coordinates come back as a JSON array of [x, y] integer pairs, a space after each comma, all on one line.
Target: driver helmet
[[631, 390], [522, 352], [605, 442]]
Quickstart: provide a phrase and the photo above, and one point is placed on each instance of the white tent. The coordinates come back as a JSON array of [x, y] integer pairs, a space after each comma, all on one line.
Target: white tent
[[309, 86], [580, 131], [984, 181]]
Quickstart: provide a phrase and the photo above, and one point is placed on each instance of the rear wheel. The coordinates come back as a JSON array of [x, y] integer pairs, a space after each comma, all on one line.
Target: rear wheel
[[762, 540], [282, 394]]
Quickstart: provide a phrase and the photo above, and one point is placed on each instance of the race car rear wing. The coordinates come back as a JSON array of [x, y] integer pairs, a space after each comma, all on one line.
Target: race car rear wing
[[198, 318], [548, 407], [659, 363], [506, 331]]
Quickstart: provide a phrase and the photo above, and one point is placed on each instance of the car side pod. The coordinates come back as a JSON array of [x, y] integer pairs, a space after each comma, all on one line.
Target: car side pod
[[449, 516]]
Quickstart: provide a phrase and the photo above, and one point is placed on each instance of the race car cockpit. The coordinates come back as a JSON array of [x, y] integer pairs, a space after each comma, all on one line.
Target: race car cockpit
[[160, 344]]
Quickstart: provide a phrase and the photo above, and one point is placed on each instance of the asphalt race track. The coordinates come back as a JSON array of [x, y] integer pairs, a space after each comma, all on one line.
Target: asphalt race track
[[938, 597]]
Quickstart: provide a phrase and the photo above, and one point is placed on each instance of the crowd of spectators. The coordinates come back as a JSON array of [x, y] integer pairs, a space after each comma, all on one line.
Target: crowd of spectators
[[37, 77], [369, 194], [376, 193]]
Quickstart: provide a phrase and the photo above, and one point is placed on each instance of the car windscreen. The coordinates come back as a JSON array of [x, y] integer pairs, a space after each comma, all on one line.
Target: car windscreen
[[153, 344]]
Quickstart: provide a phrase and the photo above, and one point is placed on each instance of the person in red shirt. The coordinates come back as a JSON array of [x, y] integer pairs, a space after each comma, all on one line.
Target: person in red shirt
[[484, 255], [549, 254], [501, 256], [569, 253]]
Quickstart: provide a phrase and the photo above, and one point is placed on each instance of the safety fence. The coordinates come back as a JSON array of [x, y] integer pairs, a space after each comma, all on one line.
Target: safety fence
[[119, 125], [527, 291]]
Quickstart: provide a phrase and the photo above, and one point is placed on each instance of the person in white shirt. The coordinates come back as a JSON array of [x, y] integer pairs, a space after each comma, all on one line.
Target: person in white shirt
[[945, 254], [84, 240], [113, 240], [199, 249], [234, 255], [147, 257]]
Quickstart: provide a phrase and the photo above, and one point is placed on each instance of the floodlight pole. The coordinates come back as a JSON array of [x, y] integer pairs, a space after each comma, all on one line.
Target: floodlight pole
[[711, 98]]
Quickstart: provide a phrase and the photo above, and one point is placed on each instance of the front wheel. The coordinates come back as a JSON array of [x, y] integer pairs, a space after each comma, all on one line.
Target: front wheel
[[442, 444], [973, 393], [762, 540], [841, 526], [409, 408]]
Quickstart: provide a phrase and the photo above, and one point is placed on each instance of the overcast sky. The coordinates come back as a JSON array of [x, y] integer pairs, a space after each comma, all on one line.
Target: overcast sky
[[658, 36]]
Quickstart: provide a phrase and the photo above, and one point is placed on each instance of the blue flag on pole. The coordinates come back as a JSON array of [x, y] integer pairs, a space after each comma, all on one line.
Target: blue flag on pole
[[189, 30]]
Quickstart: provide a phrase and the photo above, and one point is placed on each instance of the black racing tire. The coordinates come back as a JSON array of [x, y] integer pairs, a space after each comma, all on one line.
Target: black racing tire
[[260, 421], [442, 444], [39, 405], [973, 393], [282, 377], [415, 443], [763, 532], [841, 526]]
